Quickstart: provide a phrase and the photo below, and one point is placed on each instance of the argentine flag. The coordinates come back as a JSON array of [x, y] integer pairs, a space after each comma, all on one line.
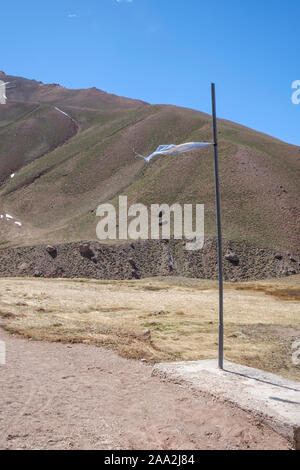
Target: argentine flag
[[174, 149]]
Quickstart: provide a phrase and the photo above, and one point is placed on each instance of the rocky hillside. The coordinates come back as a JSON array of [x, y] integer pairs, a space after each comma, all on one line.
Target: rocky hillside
[[65, 165], [137, 260]]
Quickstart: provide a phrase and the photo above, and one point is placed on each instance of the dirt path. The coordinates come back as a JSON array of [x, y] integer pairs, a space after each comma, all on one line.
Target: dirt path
[[57, 396]]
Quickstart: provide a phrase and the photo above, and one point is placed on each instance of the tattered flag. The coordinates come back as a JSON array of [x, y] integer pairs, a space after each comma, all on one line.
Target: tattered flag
[[174, 149]]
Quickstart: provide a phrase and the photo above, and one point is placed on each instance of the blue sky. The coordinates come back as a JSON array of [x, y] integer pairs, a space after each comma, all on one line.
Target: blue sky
[[166, 51]]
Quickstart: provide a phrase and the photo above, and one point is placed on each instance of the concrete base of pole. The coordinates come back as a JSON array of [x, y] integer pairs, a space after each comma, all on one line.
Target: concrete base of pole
[[271, 398]]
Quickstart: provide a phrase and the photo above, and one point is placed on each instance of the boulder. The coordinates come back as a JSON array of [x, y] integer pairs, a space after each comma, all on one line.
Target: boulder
[[86, 251], [135, 274], [51, 250], [132, 262], [232, 258]]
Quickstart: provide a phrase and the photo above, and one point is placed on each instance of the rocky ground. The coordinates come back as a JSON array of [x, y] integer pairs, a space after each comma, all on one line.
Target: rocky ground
[[143, 259]]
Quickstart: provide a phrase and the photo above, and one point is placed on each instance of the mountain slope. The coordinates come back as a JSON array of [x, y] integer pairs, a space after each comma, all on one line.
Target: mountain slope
[[65, 167]]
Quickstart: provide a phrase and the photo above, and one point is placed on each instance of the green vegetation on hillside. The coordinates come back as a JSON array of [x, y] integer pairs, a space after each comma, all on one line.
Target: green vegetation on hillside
[[66, 167]]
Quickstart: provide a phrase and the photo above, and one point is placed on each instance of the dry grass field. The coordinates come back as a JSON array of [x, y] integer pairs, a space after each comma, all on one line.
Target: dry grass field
[[160, 319]]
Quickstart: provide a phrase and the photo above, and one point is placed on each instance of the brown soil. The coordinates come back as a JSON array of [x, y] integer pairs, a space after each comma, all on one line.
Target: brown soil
[[57, 396], [145, 259]]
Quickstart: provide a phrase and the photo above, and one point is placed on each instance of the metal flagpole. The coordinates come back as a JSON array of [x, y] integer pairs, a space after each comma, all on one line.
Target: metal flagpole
[[219, 230]]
